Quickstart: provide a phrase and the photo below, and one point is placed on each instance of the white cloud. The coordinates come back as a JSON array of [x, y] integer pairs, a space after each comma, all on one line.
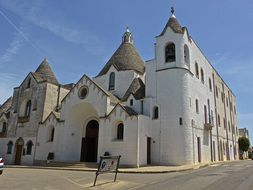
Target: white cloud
[[7, 82], [12, 49], [234, 65], [36, 13]]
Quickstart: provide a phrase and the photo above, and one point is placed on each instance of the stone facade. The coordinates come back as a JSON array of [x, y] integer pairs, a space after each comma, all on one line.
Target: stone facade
[[172, 110], [24, 119]]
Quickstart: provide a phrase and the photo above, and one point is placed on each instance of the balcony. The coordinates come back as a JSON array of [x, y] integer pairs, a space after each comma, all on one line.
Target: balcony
[[2, 134], [208, 126], [23, 119]]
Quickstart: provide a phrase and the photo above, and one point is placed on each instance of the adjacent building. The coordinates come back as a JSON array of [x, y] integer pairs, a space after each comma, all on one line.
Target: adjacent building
[[174, 109], [243, 132]]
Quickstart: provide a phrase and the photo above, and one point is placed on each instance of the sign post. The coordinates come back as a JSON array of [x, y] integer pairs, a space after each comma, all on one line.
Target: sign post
[[108, 164]]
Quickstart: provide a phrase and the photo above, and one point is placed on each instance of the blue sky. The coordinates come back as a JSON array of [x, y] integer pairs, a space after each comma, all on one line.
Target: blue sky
[[79, 37]]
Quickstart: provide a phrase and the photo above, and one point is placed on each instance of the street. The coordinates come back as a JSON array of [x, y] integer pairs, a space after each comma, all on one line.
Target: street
[[230, 175]]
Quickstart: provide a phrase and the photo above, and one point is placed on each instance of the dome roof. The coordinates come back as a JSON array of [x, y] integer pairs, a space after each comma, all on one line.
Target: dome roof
[[126, 57]]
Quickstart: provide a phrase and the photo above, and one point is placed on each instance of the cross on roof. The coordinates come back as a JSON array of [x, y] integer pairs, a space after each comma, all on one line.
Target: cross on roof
[[172, 10]]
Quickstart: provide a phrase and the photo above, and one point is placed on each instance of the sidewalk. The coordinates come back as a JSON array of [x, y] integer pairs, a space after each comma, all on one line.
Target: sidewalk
[[143, 170]]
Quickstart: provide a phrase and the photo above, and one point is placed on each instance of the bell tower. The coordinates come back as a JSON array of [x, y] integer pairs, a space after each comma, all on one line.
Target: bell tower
[[171, 76]]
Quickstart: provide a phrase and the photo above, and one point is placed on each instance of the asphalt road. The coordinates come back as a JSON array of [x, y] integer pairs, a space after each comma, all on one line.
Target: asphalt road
[[236, 175]]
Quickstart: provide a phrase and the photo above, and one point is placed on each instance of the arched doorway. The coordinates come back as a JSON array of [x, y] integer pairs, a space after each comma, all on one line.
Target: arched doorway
[[19, 150], [89, 148]]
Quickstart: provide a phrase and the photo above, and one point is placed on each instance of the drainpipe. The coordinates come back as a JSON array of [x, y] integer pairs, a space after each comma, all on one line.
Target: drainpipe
[[216, 117], [231, 125], [58, 97], [138, 143], [159, 112], [224, 103], [210, 121], [193, 142], [36, 142]]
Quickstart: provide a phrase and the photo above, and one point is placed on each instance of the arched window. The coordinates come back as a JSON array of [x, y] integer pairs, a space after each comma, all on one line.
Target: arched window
[[197, 105], [186, 55], [9, 147], [120, 131], [4, 129], [52, 135], [28, 83], [219, 120], [210, 84], [156, 113], [180, 121], [112, 81], [202, 75], [224, 123], [196, 70], [170, 53], [205, 113], [28, 108], [131, 102], [29, 148]]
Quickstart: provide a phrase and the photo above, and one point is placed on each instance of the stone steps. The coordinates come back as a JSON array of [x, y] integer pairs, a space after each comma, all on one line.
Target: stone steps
[[72, 164]]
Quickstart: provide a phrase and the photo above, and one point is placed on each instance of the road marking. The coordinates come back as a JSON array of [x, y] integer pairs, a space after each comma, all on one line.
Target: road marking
[[50, 188], [78, 184], [137, 187]]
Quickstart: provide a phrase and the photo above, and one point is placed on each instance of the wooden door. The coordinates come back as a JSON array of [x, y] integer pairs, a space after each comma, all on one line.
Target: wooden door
[[19, 150], [148, 150]]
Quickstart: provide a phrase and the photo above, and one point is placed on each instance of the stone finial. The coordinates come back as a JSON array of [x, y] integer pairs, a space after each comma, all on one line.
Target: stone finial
[[127, 37]]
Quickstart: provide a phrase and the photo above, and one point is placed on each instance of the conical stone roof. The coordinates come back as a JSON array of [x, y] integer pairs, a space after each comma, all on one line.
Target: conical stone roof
[[137, 89], [126, 57], [44, 73], [174, 25], [6, 106]]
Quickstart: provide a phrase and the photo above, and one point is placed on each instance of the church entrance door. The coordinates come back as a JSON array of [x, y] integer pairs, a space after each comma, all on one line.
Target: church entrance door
[[89, 148], [19, 151]]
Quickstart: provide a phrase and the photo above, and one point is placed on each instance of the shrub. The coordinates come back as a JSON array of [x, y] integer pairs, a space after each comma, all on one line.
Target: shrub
[[243, 144]]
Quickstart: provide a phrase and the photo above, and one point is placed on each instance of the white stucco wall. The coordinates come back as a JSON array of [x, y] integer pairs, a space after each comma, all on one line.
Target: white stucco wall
[[127, 147], [123, 79], [9, 158]]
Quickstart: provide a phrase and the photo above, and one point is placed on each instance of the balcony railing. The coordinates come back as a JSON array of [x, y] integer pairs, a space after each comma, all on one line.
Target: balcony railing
[[208, 126]]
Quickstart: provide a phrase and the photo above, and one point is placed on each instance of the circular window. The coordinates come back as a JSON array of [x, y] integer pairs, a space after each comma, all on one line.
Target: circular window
[[83, 92]]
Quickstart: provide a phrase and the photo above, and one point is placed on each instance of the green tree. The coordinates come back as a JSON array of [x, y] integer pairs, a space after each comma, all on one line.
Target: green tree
[[243, 144]]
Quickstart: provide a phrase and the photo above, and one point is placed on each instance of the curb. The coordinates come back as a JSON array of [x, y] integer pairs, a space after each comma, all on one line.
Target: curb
[[193, 167], [120, 170], [51, 168]]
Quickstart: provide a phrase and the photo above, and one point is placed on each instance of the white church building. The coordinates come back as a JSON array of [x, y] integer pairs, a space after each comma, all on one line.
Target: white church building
[[172, 110]]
